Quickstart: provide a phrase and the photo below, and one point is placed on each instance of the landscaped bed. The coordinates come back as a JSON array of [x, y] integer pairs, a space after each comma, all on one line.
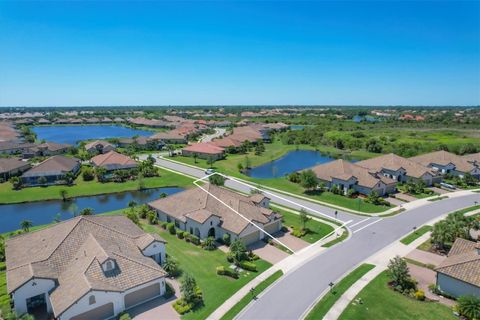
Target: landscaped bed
[[379, 301], [88, 188], [416, 234]]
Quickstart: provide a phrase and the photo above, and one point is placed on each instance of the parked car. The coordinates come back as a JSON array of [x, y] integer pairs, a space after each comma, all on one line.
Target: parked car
[[209, 171]]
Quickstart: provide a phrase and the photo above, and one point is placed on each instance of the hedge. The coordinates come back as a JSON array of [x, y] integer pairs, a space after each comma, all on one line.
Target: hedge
[[171, 228], [246, 265], [182, 307], [221, 270]]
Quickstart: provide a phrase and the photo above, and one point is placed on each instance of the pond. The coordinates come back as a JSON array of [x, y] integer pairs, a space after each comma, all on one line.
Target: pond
[[291, 162], [72, 134], [43, 212]]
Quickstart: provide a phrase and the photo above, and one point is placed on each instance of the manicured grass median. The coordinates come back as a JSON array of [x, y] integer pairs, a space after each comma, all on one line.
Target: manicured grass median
[[416, 234], [88, 188], [201, 264], [381, 302], [232, 313], [327, 302]]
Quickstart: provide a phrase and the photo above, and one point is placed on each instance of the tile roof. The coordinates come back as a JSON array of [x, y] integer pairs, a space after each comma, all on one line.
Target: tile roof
[[71, 252], [444, 158], [51, 146], [96, 143], [113, 158], [10, 164], [53, 165], [169, 135], [393, 162], [463, 262], [198, 205], [204, 148], [344, 170], [474, 157]]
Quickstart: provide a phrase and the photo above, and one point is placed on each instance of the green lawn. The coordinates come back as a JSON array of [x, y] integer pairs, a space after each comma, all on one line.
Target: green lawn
[[274, 151], [327, 302], [317, 230], [381, 302], [416, 234], [337, 240], [4, 296], [201, 265], [232, 313], [86, 188]]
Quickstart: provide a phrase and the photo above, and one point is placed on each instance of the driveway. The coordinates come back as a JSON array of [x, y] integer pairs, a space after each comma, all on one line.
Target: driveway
[[268, 252], [394, 201], [426, 257], [209, 137], [405, 197], [294, 243], [439, 190], [425, 277], [159, 308]]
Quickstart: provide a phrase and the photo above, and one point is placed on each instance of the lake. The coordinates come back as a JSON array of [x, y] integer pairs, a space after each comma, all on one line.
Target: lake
[[43, 212], [72, 134], [291, 162]]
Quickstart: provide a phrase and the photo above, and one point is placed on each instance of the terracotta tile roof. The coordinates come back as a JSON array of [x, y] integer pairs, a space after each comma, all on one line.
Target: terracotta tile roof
[[113, 158], [204, 148], [199, 205], [474, 157], [344, 170], [71, 252], [227, 142], [53, 165], [463, 262], [393, 162], [10, 164], [169, 135], [444, 158]]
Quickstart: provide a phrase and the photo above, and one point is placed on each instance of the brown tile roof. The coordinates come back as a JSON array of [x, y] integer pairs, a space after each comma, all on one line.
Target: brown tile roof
[[444, 158], [344, 170], [393, 162], [113, 158], [10, 164], [204, 148], [51, 146], [169, 135], [227, 142], [71, 252], [463, 262], [95, 143], [199, 205], [474, 157], [53, 165]]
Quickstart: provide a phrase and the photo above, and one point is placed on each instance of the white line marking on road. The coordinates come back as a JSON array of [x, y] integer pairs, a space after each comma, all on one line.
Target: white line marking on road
[[353, 225], [368, 225]]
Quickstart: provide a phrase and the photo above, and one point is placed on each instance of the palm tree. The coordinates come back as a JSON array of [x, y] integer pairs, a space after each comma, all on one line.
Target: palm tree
[[209, 243], [171, 267], [64, 194], [69, 178], [26, 225], [469, 306], [86, 212], [195, 156]]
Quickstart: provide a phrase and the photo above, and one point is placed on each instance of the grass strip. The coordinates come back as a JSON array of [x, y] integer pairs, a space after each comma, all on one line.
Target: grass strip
[[337, 240], [232, 313], [420, 264], [416, 234], [437, 198], [327, 302]]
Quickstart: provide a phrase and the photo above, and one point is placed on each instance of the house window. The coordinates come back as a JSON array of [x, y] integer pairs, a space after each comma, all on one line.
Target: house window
[[91, 299], [191, 230], [109, 265], [211, 223]]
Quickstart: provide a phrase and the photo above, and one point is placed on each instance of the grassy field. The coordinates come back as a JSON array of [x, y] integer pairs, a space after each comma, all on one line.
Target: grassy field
[[232, 313], [381, 302], [274, 151], [324, 305], [416, 234], [4, 296], [317, 230], [201, 265], [87, 188]]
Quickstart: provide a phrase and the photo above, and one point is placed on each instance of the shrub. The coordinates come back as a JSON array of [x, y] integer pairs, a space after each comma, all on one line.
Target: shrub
[[169, 290], [180, 234], [194, 239], [182, 307], [164, 225], [152, 217], [246, 265], [227, 272], [469, 307], [171, 228], [171, 267], [124, 316], [420, 295], [88, 174], [209, 244], [230, 257], [297, 232], [294, 177], [226, 239]]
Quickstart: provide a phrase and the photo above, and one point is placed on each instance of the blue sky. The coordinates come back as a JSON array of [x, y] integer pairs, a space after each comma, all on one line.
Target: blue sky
[[225, 53]]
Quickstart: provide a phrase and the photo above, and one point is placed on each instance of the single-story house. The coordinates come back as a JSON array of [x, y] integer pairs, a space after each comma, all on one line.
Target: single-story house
[[113, 161], [47, 149], [473, 158], [400, 169], [446, 162], [170, 137], [204, 151], [346, 175], [99, 146], [204, 213], [9, 147], [142, 142], [52, 169], [85, 268], [10, 167], [459, 274]]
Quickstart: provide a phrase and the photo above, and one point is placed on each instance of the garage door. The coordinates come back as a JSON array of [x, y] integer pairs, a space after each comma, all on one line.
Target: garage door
[[142, 295], [251, 238], [99, 313], [272, 228]]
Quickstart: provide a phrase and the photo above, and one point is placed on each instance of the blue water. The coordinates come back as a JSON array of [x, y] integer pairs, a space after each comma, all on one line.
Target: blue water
[[297, 127], [73, 134], [43, 212], [291, 162]]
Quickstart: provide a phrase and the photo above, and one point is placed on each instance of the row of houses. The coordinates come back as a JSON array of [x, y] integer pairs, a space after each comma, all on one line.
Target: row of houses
[[92, 120], [30, 150], [381, 174]]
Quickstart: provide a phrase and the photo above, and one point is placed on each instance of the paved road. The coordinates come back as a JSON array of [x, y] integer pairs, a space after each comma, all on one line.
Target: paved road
[[297, 290], [294, 293], [209, 137]]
